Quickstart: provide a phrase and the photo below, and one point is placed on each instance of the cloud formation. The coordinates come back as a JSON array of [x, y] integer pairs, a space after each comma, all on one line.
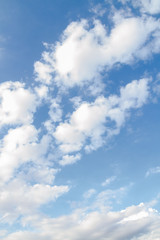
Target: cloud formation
[[26, 199], [134, 222], [85, 51], [19, 146], [89, 121], [17, 104], [153, 171], [149, 6], [29, 155]]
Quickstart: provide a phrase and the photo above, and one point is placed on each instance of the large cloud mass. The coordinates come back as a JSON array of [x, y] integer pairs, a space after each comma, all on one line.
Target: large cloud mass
[[84, 51], [134, 223], [89, 120]]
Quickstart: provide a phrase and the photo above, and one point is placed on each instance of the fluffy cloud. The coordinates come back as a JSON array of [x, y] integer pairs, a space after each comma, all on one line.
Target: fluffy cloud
[[18, 198], [134, 222], [84, 52], [44, 72], [90, 121], [149, 6], [69, 159], [19, 146], [17, 104]]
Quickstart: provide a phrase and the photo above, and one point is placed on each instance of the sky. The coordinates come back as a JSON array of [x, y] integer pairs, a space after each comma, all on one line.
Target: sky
[[79, 119]]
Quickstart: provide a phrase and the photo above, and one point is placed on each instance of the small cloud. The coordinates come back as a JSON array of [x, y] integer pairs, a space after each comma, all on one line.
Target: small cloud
[[69, 159], [98, 10], [89, 193], [109, 181], [152, 171]]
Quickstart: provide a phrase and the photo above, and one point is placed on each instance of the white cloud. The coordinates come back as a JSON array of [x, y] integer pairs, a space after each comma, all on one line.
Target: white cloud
[[109, 181], [98, 10], [43, 72], [41, 91], [19, 146], [91, 121], [69, 159], [55, 111], [84, 52], [17, 198], [149, 6], [3, 233], [106, 198], [134, 223], [88, 194], [17, 104], [38, 173], [152, 171]]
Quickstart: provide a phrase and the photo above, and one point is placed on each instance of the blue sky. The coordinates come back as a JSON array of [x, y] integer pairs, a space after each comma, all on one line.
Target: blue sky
[[79, 117]]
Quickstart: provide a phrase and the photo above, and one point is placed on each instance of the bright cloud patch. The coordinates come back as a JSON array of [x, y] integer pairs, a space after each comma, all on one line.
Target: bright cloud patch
[[135, 223], [69, 159], [84, 52], [26, 199], [89, 121], [17, 104], [149, 6], [19, 146]]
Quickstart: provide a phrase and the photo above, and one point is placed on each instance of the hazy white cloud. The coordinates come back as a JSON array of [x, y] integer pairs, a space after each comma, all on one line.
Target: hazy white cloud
[[55, 111], [38, 173], [89, 121], [41, 91], [109, 181], [134, 222], [17, 104], [84, 52], [148, 6], [3, 233], [106, 199], [152, 171], [88, 194], [98, 10]]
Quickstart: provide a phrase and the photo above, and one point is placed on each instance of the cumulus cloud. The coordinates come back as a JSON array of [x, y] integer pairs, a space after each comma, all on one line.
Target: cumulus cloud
[[27, 170], [41, 91], [17, 104], [149, 6], [134, 222], [69, 159], [18, 198], [19, 146], [85, 51], [89, 121]]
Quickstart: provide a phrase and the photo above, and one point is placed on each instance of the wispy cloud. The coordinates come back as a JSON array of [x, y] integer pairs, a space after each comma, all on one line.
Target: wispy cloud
[[109, 181], [153, 171]]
